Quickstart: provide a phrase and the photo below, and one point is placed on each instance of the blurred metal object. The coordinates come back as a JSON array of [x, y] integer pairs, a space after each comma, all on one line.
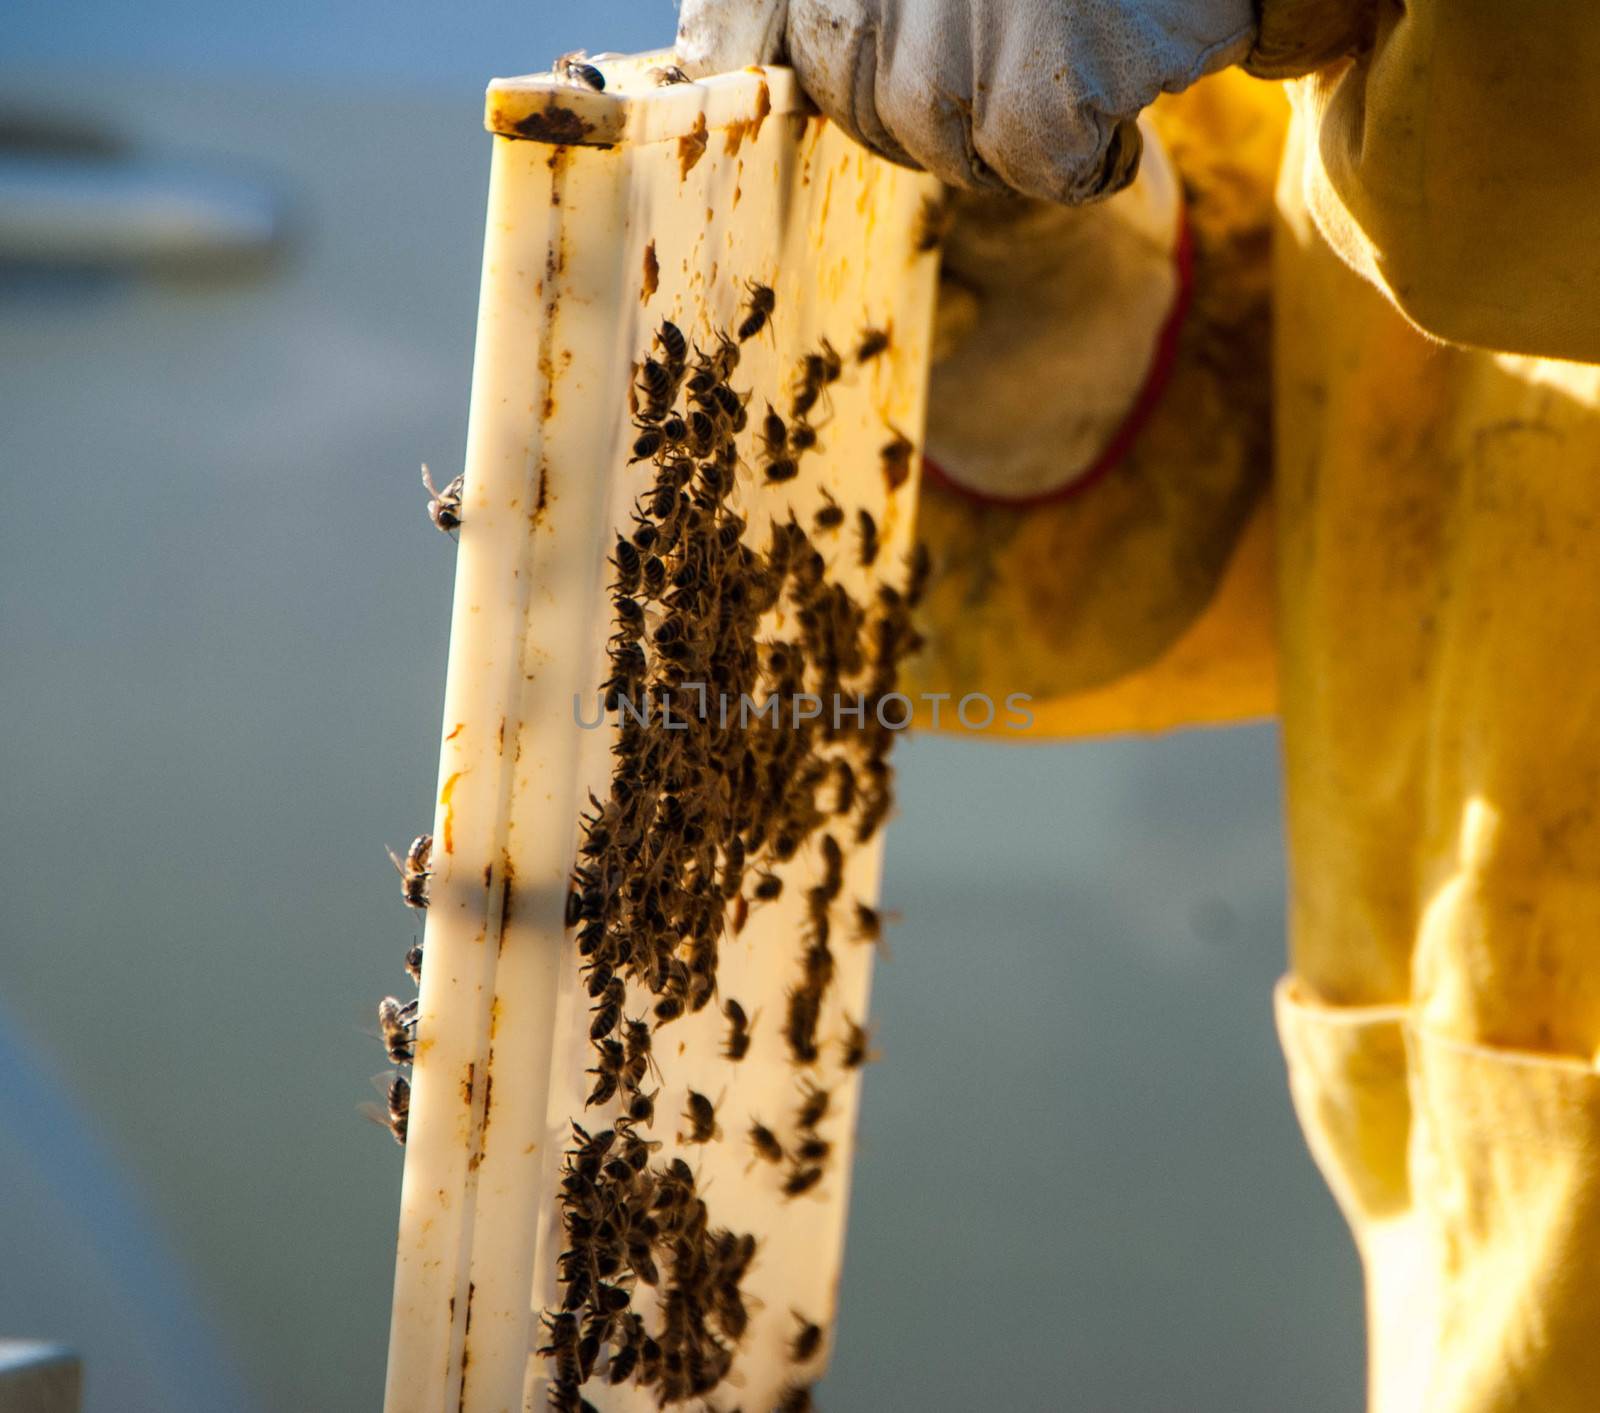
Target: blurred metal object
[[126, 213], [74, 195], [39, 1378]]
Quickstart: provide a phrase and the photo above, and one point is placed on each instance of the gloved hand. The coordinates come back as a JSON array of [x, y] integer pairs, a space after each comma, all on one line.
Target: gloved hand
[[1039, 96]]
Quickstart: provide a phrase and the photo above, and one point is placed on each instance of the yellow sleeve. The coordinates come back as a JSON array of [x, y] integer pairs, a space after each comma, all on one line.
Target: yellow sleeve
[[1451, 160], [1145, 602]]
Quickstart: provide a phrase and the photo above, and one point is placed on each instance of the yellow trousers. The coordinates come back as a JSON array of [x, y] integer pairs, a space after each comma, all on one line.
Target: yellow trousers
[[1418, 596]]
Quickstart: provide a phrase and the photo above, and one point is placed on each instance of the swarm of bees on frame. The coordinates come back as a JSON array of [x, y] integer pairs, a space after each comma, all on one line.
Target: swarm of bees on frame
[[698, 816], [397, 1020], [688, 839]]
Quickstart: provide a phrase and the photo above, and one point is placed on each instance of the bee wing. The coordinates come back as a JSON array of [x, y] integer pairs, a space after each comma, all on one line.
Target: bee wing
[[427, 481], [383, 1080], [364, 1019], [381, 1118]]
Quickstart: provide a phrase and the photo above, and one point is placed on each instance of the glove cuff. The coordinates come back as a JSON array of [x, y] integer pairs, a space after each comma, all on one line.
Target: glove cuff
[[1121, 439]]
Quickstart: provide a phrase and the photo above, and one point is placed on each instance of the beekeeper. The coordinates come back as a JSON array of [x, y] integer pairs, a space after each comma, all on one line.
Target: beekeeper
[[1381, 519]]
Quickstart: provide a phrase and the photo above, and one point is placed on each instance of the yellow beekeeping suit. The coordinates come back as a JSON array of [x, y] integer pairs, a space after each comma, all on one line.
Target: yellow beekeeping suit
[[1439, 601], [1433, 593], [1089, 604]]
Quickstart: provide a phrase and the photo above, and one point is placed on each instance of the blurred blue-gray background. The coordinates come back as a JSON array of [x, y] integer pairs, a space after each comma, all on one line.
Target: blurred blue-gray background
[[222, 633]]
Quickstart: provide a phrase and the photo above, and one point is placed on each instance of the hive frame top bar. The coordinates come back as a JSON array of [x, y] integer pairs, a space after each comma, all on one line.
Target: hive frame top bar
[[635, 107]]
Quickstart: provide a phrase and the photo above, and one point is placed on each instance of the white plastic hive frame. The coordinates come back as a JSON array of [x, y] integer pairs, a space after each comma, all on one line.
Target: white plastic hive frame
[[607, 213]]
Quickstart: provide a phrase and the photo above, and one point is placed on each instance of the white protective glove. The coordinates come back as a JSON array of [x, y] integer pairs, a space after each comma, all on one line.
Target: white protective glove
[[1057, 327], [1039, 96]]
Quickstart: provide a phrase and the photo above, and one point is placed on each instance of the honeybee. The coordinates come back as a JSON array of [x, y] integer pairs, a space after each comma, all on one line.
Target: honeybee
[[589, 1149], [800, 1025], [832, 868], [812, 1149], [608, 1073], [722, 360], [641, 1107], [598, 974], [921, 565], [674, 430], [813, 1105], [832, 365], [414, 871], [873, 342], [857, 1045], [675, 346], [737, 1044], [895, 457], [759, 309], [575, 68], [629, 665], [807, 1340], [868, 528], [563, 1348], [662, 502], [608, 1013], [636, 1151], [730, 405], [818, 963], [649, 441], [731, 1312], [629, 617], [397, 1022], [817, 371], [801, 1179], [657, 386], [629, 1342], [765, 1142], [396, 1114], [668, 1008], [638, 1060], [830, 517], [807, 391], [875, 808], [702, 1116], [444, 507], [774, 432], [869, 923]]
